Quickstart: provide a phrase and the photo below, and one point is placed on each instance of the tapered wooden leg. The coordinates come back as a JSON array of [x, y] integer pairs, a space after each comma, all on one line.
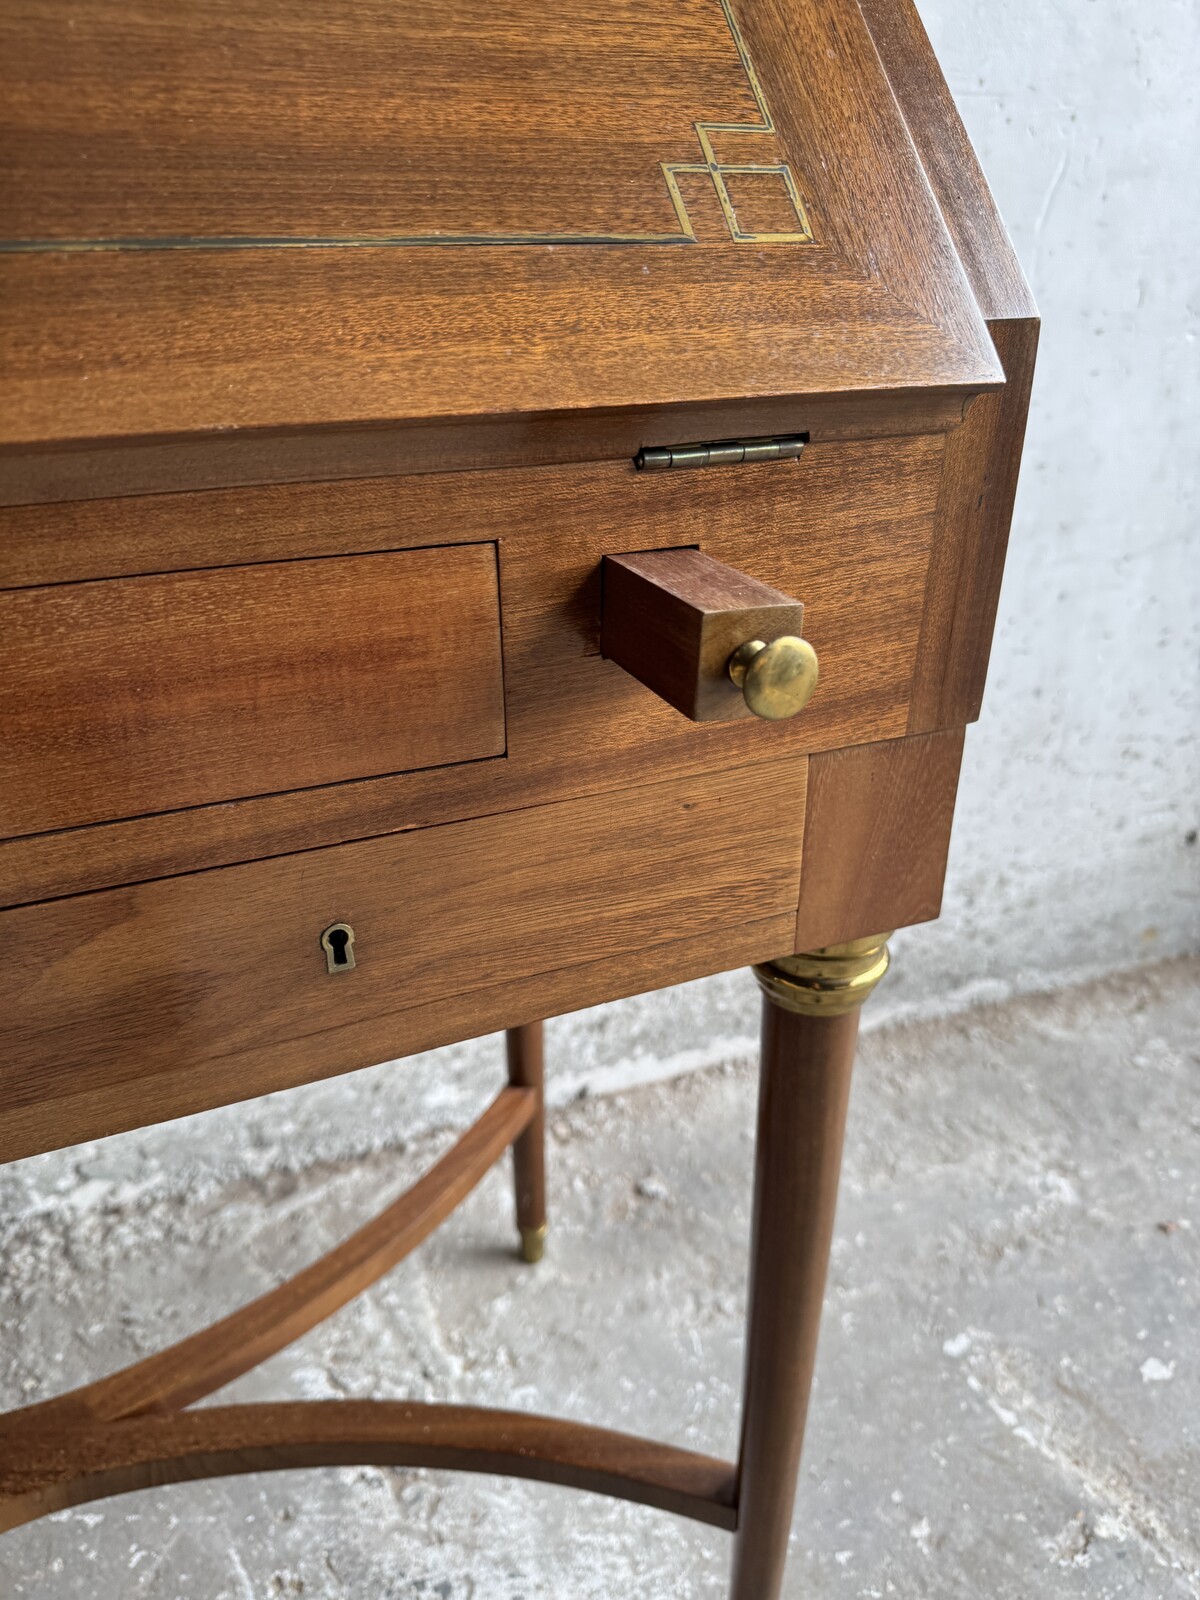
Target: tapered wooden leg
[[526, 1071], [810, 1023]]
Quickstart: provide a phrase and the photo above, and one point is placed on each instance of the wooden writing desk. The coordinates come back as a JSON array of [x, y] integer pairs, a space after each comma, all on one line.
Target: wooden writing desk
[[500, 510]]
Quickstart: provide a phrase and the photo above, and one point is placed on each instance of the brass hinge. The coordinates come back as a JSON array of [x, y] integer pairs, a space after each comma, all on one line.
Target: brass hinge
[[722, 453]]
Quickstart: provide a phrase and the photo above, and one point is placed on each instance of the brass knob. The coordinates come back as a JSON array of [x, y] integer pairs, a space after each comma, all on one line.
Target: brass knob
[[777, 679]]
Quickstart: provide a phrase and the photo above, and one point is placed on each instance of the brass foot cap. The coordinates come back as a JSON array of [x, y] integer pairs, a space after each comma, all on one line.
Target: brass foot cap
[[829, 982], [533, 1244]]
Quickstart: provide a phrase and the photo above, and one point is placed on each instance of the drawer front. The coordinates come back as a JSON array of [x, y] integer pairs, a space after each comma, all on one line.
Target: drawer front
[[138, 1004], [150, 694], [849, 530]]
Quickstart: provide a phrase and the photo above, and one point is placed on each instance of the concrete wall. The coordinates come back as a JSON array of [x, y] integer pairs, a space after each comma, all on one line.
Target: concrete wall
[[1081, 787]]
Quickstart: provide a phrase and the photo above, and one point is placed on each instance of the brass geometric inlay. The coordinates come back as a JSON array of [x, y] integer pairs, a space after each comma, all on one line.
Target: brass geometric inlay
[[786, 197], [718, 171]]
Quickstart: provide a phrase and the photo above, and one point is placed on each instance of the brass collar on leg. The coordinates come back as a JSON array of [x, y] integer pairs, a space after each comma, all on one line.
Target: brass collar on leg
[[828, 982]]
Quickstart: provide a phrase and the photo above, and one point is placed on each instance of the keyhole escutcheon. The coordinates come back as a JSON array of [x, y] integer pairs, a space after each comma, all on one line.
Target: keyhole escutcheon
[[338, 944]]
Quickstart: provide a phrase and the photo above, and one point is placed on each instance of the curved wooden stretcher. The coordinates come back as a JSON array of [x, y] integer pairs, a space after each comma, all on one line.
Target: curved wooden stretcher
[[132, 1430]]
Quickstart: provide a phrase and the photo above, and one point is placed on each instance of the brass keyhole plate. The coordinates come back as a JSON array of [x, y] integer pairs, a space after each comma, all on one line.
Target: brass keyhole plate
[[337, 941]]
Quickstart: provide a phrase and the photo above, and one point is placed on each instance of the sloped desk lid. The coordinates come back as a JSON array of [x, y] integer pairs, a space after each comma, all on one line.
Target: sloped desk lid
[[249, 214]]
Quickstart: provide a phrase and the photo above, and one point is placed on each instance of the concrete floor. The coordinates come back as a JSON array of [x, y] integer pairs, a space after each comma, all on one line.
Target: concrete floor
[[1008, 1390]]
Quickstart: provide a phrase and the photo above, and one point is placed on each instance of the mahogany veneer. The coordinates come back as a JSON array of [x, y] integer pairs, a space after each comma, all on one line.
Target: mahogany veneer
[[153, 694]]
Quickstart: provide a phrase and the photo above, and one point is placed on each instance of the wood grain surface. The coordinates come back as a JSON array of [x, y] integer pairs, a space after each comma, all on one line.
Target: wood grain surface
[[975, 507], [136, 1004], [55, 1470], [154, 693], [950, 163], [846, 530], [92, 471], [525, 1058], [196, 317], [876, 835], [248, 120], [804, 1089]]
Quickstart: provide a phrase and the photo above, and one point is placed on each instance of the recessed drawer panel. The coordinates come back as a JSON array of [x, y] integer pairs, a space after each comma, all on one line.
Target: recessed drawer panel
[[150, 694]]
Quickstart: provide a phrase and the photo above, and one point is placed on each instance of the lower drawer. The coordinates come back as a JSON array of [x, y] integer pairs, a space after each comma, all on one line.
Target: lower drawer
[[133, 1005]]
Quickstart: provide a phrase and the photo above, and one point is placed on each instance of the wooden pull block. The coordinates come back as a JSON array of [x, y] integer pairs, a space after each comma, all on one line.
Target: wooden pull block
[[673, 619]]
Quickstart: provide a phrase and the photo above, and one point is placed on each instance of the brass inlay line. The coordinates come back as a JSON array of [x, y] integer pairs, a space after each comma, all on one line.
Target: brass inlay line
[[711, 167], [718, 171], [364, 241]]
